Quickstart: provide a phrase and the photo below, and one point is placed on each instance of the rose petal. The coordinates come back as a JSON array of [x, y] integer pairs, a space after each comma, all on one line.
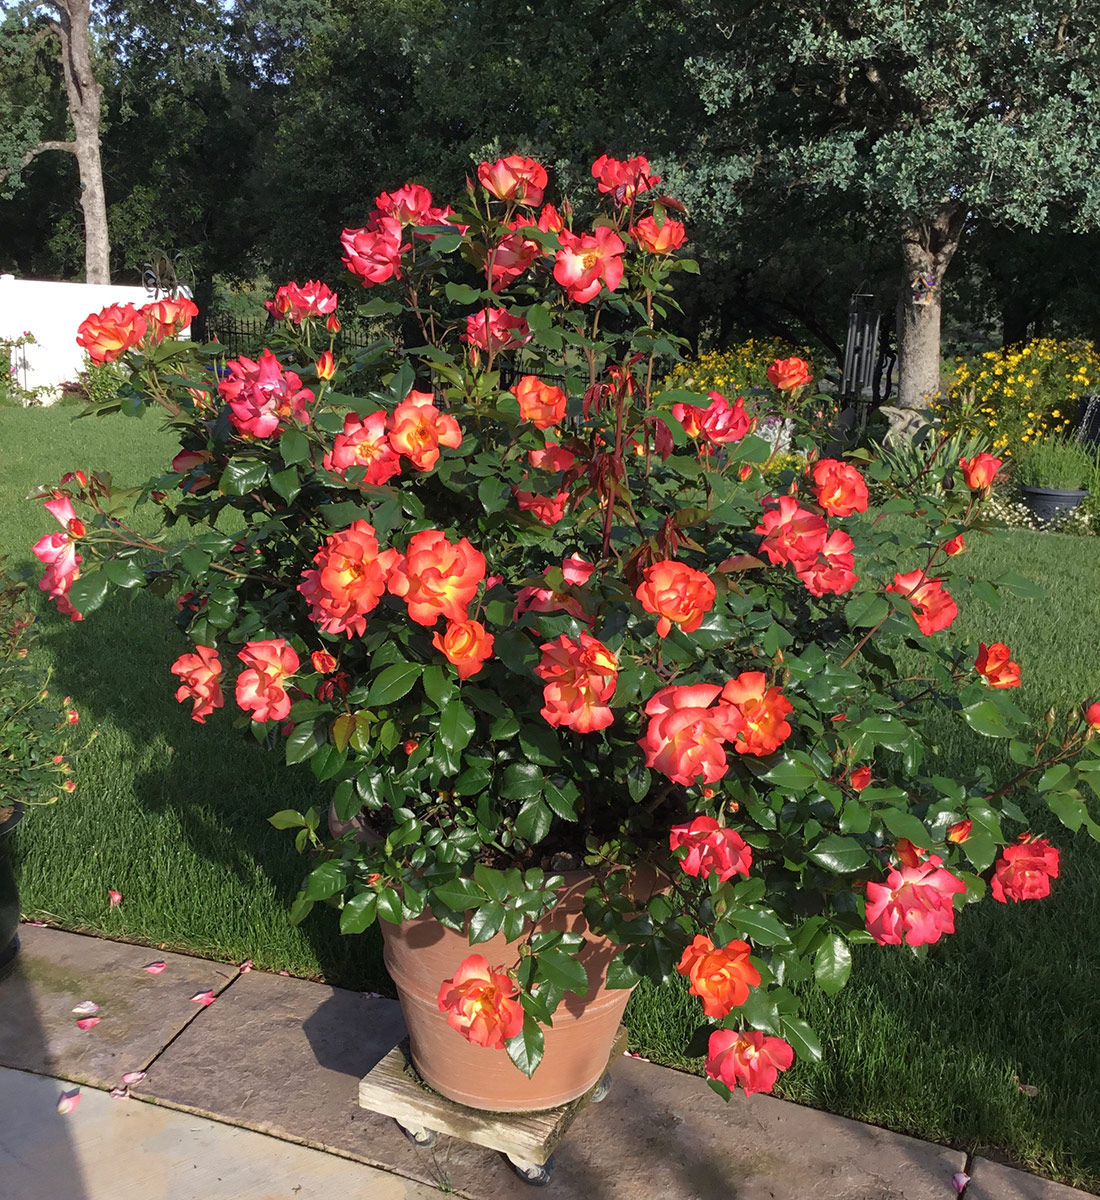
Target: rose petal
[[86, 1008], [245, 967], [285, 973], [203, 998], [133, 1077], [960, 1179], [67, 1101], [155, 968], [88, 1022], [122, 1093], [114, 897]]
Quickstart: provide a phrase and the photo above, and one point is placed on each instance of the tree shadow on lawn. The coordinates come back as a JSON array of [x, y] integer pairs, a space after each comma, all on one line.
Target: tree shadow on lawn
[[214, 785]]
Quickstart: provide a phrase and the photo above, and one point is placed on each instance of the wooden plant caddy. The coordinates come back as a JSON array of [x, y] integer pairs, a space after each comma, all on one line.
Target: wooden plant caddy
[[527, 1139]]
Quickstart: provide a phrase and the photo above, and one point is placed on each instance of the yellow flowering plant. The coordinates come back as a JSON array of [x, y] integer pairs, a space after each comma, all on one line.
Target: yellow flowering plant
[[1022, 393]]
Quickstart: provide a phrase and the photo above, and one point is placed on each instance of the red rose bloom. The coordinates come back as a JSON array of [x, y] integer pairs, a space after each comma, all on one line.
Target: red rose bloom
[[108, 334], [1024, 871], [978, 472], [514, 178]]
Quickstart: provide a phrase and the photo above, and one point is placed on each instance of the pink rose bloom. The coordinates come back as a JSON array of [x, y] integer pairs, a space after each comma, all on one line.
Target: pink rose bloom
[[548, 509], [832, 573], [711, 849], [915, 903], [374, 252], [751, 1058], [262, 397], [589, 261], [792, 534], [687, 733], [260, 689], [494, 329], [723, 422], [577, 572]]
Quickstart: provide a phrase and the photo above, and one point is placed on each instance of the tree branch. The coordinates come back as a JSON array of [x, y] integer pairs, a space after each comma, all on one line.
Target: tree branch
[[35, 151]]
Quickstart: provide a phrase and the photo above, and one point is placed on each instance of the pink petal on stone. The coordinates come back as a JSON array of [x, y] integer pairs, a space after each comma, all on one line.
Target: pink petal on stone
[[122, 1093], [88, 1022], [67, 1101], [155, 968], [203, 998], [133, 1077], [86, 1008], [960, 1179], [245, 967], [285, 974], [114, 897]]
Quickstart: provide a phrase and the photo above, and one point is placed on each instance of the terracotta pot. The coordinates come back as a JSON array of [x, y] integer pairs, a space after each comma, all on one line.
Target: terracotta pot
[[421, 954]]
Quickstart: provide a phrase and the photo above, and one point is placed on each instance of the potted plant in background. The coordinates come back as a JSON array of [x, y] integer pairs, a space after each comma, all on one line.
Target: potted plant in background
[[34, 741], [1054, 475], [593, 698]]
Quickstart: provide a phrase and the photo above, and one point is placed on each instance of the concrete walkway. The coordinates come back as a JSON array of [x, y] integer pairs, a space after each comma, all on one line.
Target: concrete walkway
[[254, 1097]]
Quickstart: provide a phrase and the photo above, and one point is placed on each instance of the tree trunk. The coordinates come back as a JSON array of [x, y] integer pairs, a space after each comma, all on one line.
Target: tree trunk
[[927, 249], [83, 92]]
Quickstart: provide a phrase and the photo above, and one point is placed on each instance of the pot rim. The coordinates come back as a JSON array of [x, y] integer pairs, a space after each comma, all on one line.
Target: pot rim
[[1052, 491], [7, 825]]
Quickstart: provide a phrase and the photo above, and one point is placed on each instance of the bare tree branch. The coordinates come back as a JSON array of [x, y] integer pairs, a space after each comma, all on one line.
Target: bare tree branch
[[35, 151]]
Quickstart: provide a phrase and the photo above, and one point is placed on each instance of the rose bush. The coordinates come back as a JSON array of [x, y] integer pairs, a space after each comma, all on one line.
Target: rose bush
[[523, 611]]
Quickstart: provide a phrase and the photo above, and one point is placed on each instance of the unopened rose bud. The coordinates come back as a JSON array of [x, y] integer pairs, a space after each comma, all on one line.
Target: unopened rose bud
[[744, 473], [959, 832], [326, 366], [333, 324], [410, 746], [73, 717], [1049, 715], [69, 785], [708, 793], [1092, 714]]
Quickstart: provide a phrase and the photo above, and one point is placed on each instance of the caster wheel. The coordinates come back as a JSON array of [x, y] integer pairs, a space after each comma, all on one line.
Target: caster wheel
[[536, 1174], [599, 1092], [423, 1139]]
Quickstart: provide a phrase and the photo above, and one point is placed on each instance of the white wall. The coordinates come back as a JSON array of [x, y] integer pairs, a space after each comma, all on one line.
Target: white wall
[[53, 313]]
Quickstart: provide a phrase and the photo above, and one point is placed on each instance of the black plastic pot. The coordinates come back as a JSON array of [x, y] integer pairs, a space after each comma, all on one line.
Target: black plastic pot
[[9, 894], [1047, 503]]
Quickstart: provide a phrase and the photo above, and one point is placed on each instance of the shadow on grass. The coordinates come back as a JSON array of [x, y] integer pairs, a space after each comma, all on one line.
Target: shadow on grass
[[192, 801]]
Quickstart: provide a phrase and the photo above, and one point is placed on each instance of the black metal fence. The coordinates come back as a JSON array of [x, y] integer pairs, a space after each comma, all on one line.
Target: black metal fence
[[243, 336]]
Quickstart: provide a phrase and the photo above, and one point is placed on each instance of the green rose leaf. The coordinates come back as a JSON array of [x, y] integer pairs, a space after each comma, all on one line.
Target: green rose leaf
[[527, 1047], [393, 682], [833, 964]]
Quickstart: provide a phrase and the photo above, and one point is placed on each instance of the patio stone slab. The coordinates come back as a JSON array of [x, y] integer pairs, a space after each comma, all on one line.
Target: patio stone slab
[[140, 1013], [285, 1057], [126, 1150], [995, 1181]]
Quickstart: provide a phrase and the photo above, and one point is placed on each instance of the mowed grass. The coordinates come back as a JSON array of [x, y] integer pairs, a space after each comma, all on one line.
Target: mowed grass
[[173, 815], [168, 812]]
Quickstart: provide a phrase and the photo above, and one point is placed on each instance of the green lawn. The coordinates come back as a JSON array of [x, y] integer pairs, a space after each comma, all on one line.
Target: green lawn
[[173, 815]]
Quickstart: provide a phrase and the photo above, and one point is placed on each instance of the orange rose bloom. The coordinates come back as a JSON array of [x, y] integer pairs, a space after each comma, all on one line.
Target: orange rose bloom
[[979, 471], [480, 1002], [200, 674], [995, 664], [548, 509], [540, 403], [840, 488], [437, 578], [323, 662], [1092, 715], [419, 429], [580, 679], [860, 778], [687, 733], [467, 644], [169, 316], [364, 443], [933, 608], [691, 416], [786, 374], [349, 581], [720, 978], [659, 239], [764, 710], [108, 334], [677, 593]]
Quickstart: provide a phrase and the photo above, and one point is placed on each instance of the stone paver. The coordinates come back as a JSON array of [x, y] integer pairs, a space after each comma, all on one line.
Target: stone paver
[[126, 1150], [994, 1181], [285, 1056], [281, 1056], [140, 1013]]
